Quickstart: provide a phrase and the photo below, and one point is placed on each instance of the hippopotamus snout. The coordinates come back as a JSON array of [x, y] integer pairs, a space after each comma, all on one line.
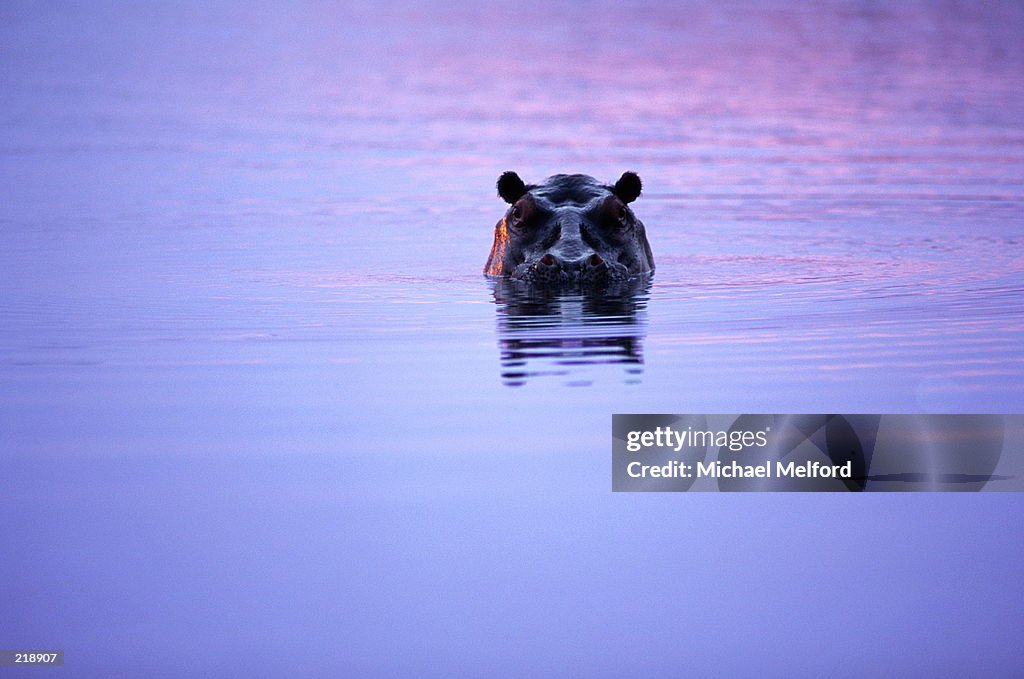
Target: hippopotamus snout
[[588, 268], [569, 229]]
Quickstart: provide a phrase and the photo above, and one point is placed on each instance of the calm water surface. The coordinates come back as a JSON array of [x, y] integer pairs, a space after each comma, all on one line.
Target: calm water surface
[[256, 397]]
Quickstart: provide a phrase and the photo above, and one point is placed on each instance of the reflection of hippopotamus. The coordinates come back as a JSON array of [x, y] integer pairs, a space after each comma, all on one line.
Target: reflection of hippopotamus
[[569, 229], [571, 335]]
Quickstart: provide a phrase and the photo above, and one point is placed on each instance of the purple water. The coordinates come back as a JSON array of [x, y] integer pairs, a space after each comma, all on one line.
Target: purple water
[[261, 413]]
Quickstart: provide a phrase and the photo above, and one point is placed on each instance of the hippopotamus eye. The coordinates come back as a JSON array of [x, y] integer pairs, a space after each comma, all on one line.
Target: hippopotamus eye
[[622, 213], [517, 214]]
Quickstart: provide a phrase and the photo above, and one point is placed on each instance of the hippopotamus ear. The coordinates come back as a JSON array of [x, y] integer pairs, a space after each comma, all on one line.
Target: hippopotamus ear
[[511, 187], [628, 187]]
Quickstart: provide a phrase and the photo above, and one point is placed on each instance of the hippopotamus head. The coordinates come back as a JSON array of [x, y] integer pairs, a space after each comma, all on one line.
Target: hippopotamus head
[[569, 229]]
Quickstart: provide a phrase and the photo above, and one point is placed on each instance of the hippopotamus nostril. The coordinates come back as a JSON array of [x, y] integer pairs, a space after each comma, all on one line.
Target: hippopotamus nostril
[[594, 261], [547, 260]]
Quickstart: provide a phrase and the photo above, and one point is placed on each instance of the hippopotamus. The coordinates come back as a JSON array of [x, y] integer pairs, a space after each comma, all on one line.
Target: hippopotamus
[[569, 229]]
